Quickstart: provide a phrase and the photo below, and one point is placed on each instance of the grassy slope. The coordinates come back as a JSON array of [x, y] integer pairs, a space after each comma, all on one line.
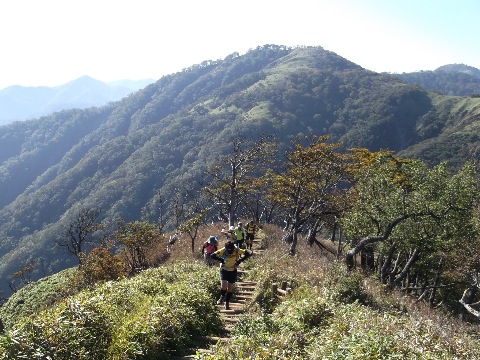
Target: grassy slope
[[463, 128], [328, 315]]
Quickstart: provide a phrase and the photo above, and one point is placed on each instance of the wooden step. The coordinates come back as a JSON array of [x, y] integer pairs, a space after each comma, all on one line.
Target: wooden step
[[245, 291], [246, 283], [243, 294], [243, 297], [237, 310], [235, 305], [232, 316], [215, 339], [242, 300], [231, 320]]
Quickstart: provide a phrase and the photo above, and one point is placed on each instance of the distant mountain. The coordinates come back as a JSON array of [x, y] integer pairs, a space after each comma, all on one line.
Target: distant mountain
[[22, 103], [131, 157], [459, 68], [453, 79]]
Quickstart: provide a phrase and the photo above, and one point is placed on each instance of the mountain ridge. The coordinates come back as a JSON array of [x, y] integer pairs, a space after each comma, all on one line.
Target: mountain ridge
[[130, 157], [19, 103], [450, 79]]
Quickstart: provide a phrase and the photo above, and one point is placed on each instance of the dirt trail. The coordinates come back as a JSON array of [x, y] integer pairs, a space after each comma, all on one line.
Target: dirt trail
[[243, 294]]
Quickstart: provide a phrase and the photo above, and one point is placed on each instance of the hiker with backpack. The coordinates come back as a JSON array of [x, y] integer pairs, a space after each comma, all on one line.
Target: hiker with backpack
[[251, 231], [230, 256], [230, 234], [240, 235], [209, 247]]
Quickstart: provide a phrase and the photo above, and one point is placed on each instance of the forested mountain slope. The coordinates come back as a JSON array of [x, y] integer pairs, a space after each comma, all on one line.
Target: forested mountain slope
[[129, 157], [453, 79]]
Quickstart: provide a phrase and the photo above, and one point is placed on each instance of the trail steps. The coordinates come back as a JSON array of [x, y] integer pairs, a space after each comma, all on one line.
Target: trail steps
[[244, 292]]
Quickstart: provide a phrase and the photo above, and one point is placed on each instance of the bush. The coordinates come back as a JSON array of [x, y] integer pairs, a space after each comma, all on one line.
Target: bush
[[36, 296], [158, 312], [100, 265], [347, 288], [303, 311]]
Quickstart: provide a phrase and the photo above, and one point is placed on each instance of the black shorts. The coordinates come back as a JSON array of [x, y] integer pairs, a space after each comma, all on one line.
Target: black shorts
[[250, 236], [230, 276]]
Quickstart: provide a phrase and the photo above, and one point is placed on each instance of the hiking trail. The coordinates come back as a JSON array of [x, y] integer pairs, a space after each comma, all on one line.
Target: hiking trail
[[243, 294]]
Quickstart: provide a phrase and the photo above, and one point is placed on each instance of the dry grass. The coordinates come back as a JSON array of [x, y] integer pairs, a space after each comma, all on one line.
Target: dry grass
[[313, 266], [182, 249], [393, 314]]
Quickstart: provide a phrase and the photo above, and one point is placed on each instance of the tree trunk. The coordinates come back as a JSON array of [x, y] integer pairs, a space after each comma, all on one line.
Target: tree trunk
[[436, 282], [411, 261], [466, 301], [288, 237], [293, 244], [334, 232], [295, 228], [367, 259], [380, 261], [339, 246], [393, 271], [386, 265], [312, 233], [425, 289], [350, 255]]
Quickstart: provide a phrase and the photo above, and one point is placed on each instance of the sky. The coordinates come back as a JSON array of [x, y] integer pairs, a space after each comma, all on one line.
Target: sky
[[52, 42]]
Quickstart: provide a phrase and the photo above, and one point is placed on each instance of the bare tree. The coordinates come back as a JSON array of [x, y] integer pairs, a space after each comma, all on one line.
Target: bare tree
[[78, 232], [138, 238], [24, 274], [230, 180], [191, 226]]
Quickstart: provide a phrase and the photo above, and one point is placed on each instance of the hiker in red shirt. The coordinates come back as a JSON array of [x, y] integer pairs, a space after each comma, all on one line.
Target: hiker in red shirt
[[209, 247]]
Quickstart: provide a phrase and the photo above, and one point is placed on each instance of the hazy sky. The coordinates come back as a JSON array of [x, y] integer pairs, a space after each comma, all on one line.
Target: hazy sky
[[51, 42]]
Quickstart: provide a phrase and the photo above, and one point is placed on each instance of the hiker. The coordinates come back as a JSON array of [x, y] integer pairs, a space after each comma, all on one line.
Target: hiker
[[240, 235], [230, 234], [251, 231], [172, 240], [209, 246], [230, 257]]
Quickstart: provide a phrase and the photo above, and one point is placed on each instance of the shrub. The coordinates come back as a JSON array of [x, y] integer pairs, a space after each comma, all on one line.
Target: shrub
[[100, 265], [347, 288], [74, 329], [143, 317], [303, 311], [36, 296]]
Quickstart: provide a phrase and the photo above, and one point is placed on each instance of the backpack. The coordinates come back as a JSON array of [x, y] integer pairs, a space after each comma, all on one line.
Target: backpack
[[225, 254], [210, 245]]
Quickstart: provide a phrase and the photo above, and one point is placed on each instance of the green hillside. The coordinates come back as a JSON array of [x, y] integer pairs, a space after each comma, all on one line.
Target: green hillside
[[458, 139], [168, 312], [453, 79], [133, 159]]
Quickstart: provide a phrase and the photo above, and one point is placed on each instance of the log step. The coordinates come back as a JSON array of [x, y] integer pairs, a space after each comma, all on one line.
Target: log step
[[244, 292], [243, 297], [215, 339]]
